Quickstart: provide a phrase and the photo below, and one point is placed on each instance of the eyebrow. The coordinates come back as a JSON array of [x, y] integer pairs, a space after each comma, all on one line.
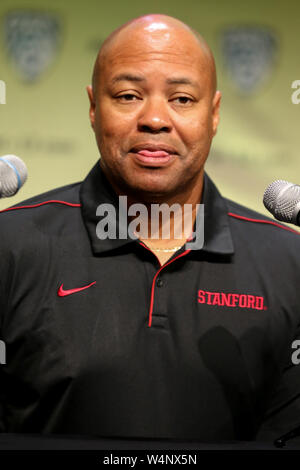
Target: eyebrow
[[138, 78]]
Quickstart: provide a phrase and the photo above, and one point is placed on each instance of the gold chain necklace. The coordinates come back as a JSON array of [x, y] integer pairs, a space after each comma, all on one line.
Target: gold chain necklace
[[165, 250]]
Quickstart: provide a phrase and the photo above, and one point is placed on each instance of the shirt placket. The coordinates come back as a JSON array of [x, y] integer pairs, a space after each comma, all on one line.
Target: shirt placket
[[158, 315]]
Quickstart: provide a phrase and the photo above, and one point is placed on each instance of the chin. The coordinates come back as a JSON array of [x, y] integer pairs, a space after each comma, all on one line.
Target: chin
[[148, 184], [150, 192]]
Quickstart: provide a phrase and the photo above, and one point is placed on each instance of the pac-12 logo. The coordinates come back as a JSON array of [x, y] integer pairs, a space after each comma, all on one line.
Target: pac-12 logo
[[32, 39], [249, 53]]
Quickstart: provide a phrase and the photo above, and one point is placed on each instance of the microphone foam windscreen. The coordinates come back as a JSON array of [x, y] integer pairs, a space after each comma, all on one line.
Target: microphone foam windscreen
[[282, 199], [13, 174]]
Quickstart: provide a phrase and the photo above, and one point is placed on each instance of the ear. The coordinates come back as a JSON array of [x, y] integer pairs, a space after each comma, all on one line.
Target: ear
[[216, 111], [90, 93]]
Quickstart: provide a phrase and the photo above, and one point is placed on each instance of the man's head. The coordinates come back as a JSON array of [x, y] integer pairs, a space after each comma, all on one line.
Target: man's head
[[154, 88]]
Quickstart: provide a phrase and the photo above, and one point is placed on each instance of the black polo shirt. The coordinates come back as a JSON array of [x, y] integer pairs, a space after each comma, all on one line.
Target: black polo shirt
[[103, 340]]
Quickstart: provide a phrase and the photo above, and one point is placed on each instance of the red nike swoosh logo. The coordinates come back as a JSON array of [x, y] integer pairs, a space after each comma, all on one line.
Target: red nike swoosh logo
[[62, 292]]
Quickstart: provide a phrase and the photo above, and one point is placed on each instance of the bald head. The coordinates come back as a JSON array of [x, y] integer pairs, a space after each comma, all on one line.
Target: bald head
[[153, 24]]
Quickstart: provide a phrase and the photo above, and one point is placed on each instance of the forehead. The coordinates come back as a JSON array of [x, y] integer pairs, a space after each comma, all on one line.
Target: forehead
[[154, 48]]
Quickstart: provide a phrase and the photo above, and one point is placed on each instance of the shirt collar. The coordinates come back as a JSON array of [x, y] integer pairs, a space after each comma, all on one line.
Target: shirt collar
[[96, 190]]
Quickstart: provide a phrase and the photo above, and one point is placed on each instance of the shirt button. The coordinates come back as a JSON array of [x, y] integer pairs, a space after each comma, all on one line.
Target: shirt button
[[159, 282]]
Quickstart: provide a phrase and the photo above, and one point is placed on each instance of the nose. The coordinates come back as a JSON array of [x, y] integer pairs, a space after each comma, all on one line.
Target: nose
[[154, 116]]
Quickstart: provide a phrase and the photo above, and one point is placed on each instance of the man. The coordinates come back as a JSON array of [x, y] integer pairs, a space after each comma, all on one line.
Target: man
[[142, 337]]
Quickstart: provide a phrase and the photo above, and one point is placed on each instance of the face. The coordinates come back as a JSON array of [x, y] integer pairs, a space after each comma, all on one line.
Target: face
[[155, 111]]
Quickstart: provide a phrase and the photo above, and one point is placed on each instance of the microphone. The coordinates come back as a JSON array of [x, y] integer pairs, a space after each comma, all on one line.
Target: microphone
[[13, 174], [282, 199]]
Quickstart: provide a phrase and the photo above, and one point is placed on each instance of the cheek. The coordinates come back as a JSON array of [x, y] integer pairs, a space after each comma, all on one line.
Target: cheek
[[112, 123], [111, 135], [197, 134], [197, 129]]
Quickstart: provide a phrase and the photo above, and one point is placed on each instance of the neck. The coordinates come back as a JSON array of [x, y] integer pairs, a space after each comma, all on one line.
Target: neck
[[171, 224]]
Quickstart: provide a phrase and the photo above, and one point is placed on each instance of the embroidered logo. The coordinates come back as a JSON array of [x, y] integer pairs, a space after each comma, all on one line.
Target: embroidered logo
[[223, 299], [62, 292]]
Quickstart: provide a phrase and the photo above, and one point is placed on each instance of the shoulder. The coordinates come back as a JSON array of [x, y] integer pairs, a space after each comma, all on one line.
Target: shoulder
[[265, 233], [64, 196], [44, 214], [248, 217]]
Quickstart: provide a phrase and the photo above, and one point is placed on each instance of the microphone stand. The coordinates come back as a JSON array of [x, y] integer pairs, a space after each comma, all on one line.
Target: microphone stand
[[282, 440]]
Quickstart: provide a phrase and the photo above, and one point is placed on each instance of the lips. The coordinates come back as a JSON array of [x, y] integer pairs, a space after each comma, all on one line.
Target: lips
[[157, 153], [154, 150], [154, 155]]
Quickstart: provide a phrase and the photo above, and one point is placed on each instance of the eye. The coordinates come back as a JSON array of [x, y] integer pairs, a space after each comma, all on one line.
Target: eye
[[127, 97], [185, 99]]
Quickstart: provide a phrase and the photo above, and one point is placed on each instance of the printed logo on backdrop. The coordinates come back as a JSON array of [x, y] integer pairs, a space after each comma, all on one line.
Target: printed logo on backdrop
[[32, 41], [249, 54]]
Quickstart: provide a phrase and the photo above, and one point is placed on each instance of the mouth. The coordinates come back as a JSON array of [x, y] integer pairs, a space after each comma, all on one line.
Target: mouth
[[153, 156]]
